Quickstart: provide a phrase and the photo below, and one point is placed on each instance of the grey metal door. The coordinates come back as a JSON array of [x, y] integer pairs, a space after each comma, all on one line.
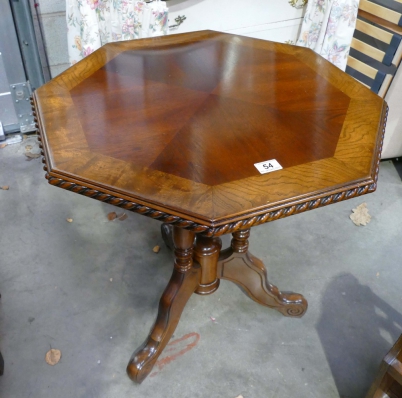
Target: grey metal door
[[20, 66]]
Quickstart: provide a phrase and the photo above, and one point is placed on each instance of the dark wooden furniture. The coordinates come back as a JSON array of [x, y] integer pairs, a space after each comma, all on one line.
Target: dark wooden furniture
[[388, 383], [171, 128]]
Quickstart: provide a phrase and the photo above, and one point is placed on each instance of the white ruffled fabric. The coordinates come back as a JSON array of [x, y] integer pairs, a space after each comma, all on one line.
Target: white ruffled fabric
[[328, 27], [93, 23]]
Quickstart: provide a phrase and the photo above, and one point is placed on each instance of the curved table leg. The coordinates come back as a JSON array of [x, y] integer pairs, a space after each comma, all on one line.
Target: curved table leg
[[241, 267], [184, 281]]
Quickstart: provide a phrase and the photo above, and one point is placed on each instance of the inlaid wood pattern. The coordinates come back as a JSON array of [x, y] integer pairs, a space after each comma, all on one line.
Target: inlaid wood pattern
[[171, 127], [201, 107]]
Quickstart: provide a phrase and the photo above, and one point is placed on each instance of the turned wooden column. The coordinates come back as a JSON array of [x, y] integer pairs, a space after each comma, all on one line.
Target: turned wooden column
[[183, 249], [206, 253], [239, 241]]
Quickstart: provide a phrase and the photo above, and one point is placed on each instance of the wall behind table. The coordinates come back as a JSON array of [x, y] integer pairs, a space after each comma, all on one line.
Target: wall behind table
[[274, 20], [393, 133], [264, 19]]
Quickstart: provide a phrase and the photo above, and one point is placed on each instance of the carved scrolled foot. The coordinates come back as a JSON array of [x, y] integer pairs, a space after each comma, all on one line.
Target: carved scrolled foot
[[143, 360], [241, 267], [181, 286], [185, 279], [293, 305]]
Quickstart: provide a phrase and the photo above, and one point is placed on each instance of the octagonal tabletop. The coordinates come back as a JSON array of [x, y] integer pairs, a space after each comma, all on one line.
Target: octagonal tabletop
[[176, 123]]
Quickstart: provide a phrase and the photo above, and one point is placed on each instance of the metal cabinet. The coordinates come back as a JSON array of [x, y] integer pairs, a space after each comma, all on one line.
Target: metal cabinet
[[21, 68]]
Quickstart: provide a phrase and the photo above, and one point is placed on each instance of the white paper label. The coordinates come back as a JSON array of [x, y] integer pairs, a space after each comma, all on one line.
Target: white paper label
[[268, 166]]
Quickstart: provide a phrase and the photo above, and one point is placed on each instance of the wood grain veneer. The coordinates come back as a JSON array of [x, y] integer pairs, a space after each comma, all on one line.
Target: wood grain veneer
[[176, 124], [171, 127]]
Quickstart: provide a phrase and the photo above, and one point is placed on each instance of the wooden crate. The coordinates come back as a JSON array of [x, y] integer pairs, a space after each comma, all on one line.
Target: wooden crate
[[389, 379]]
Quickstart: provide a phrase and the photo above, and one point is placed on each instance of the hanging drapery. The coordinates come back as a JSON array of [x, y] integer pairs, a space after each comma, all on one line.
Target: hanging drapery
[[93, 23], [328, 27]]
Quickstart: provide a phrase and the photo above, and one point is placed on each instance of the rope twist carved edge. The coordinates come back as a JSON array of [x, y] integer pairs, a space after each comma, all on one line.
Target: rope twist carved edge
[[224, 229]]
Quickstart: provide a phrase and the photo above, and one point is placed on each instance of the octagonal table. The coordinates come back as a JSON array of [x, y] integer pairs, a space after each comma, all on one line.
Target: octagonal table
[[210, 133]]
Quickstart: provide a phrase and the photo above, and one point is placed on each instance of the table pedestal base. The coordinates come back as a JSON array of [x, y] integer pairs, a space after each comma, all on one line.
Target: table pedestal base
[[198, 269]]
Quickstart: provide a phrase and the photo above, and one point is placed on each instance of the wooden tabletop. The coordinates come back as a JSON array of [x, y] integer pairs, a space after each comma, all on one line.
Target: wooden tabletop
[[175, 124]]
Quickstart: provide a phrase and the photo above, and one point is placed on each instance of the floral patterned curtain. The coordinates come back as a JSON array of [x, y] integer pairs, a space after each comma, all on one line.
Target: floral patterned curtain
[[93, 23], [328, 27]]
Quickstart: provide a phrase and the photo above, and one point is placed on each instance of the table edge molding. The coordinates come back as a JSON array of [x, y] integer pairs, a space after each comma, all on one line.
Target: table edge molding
[[324, 199]]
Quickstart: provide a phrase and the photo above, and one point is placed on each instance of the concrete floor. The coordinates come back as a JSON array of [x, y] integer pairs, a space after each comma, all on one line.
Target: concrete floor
[[90, 288]]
